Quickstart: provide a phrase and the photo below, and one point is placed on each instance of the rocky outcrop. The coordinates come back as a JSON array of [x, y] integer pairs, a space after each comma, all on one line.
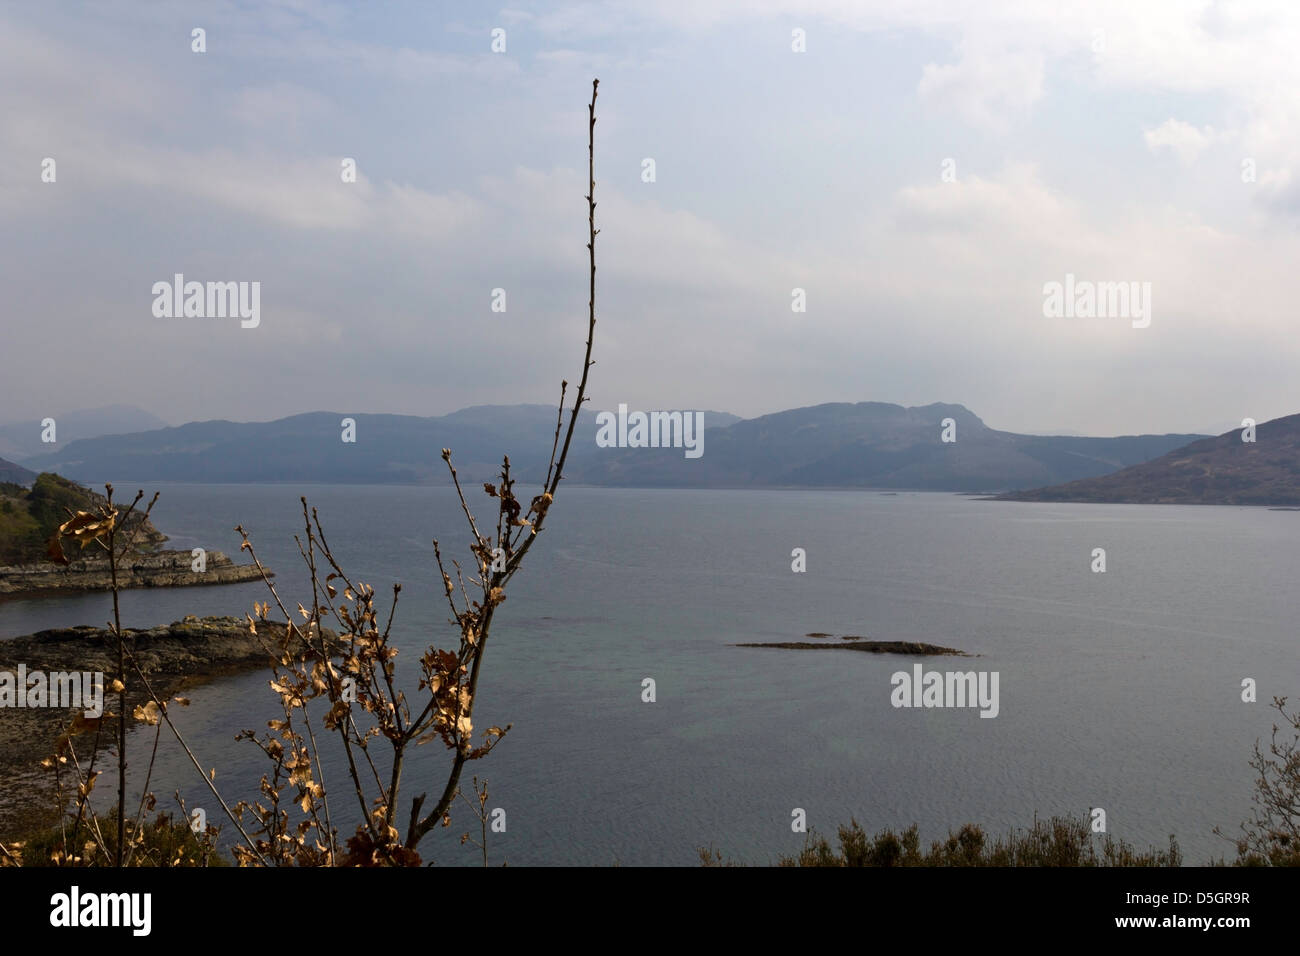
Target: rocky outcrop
[[172, 656], [201, 646], [30, 519], [156, 570]]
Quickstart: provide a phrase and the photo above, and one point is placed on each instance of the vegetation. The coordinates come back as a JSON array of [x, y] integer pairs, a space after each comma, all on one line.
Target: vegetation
[[29, 519], [163, 841], [294, 822], [1061, 841], [1271, 837]]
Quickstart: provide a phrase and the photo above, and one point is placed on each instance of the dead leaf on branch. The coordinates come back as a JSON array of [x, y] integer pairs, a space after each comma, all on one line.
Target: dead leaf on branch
[[54, 551], [86, 526]]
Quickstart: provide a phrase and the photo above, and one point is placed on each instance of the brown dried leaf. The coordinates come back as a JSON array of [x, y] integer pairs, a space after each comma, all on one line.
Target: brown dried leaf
[[85, 527], [81, 724], [54, 551]]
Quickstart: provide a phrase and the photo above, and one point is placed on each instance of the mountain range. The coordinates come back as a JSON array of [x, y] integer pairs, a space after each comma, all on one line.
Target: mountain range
[[864, 444], [874, 445]]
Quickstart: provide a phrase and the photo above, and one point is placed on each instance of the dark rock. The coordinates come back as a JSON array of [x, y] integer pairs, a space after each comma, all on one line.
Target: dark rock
[[910, 648]]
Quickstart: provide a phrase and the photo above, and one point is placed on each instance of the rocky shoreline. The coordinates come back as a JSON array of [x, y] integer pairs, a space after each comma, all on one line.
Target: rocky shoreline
[[159, 569], [173, 657]]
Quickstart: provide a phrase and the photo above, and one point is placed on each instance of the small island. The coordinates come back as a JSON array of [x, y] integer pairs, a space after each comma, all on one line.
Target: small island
[[852, 642]]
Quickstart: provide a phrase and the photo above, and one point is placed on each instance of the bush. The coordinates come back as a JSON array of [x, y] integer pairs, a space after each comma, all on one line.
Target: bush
[[1061, 841]]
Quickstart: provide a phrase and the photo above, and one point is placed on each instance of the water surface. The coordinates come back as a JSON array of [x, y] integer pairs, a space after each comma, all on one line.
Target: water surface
[[1119, 690]]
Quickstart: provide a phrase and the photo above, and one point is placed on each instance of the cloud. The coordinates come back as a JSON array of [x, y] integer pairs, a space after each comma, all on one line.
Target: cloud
[[472, 175], [989, 85], [1182, 139]]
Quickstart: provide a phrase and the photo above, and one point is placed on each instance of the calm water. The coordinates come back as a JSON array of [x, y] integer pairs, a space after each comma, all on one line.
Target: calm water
[[1119, 690]]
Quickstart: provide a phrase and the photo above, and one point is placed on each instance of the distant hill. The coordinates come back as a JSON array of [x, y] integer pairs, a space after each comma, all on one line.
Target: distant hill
[[868, 444], [309, 447], [28, 518], [873, 445], [22, 440], [1219, 471], [15, 474]]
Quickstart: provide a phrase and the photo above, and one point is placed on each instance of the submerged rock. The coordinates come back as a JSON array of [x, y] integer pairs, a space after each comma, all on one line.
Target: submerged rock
[[910, 648]]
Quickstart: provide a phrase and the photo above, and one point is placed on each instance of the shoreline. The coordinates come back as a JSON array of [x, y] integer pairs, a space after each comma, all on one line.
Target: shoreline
[[143, 570], [187, 653]]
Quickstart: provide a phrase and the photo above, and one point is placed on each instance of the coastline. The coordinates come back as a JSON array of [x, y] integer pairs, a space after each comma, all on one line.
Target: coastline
[[143, 570]]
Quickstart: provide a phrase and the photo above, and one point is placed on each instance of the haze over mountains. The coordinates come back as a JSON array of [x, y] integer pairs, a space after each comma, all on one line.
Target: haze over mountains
[[15, 473], [867, 444], [19, 440], [310, 447]]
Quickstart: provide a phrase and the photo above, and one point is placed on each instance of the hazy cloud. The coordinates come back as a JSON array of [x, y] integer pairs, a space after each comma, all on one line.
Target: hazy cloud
[[775, 170]]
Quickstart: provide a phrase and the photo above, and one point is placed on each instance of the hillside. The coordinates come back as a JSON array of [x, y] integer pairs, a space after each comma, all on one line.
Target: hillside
[[1220, 471], [29, 518]]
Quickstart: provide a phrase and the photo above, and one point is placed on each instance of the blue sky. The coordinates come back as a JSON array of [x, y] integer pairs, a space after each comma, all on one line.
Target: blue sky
[[1087, 138]]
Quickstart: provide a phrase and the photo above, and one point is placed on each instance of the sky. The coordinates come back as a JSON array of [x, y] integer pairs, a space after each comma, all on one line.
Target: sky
[[921, 170]]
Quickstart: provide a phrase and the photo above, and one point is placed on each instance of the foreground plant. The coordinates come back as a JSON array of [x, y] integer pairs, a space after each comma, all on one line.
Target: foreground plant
[[1061, 841], [347, 686], [1271, 837], [84, 839]]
